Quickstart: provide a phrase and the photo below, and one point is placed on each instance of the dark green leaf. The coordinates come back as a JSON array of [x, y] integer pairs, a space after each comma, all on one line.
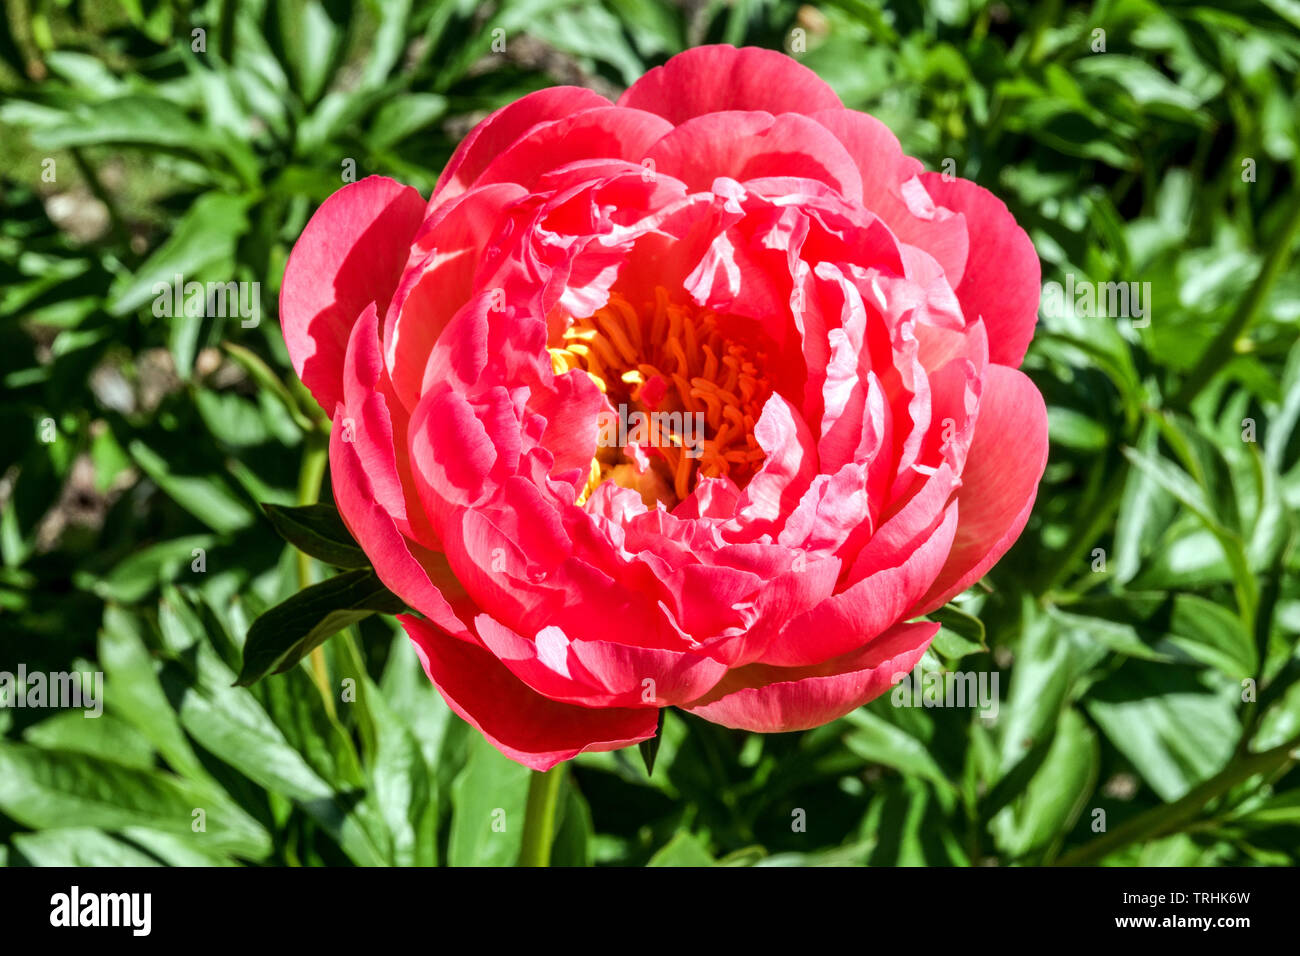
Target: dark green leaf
[[288, 632], [650, 747], [318, 530]]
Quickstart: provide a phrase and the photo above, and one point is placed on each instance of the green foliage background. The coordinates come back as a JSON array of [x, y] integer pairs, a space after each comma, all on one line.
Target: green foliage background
[[1121, 671]]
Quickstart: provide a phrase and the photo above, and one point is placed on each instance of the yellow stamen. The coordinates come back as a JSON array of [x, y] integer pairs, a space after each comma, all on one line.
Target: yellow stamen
[[624, 349]]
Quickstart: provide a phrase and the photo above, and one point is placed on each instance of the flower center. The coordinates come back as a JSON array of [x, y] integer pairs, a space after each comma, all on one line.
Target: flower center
[[685, 397]]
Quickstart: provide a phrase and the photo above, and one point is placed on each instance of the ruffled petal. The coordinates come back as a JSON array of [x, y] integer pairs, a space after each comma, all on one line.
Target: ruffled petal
[[1001, 281], [503, 128], [437, 286], [749, 145], [593, 134], [600, 673], [525, 726], [767, 699], [375, 424], [351, 254], [891, 190], [868, 607], [709, 79], [418, 576], [1006, 459]]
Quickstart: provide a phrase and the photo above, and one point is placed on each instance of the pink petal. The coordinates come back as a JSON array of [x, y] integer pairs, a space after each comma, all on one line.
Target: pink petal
[[525, 726], [1002, 276], [887, 175], [795, 582], [709, 79], [494, 135], [767, 699], [418, 576], [350, 255], [375, 424], [609, 132], [1006, 459], [869, 607], [432, 291], [745, 146], [787, 471], [600, 673]]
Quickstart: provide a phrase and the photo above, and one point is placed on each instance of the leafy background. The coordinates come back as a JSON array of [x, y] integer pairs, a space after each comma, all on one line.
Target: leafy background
[[1121, 671]]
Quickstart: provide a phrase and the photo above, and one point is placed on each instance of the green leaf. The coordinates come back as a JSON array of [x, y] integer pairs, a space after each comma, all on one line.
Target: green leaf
[[1068, 428], [412, 696], [232, 419], [1181, 485], [128, 120], [1213, 635], [650, 748], [206, 497], [139, 575], [288, 632], [399, 118], [1144, 510], [135, 693], [575, 833], [851, 854], [876, 740], [1173, 725], [1057, 792], [1040, 685], [51, 789], [176, 850], [592, 33], [311, 42], [959, 635], [318, 530], [77, 732], [269, 382], [1280, 704], [200, 248], [488, 802], [402, 787], [1121, 638], [231, 724], [684, 849], [78, 846], [909, 828], [1282, 809]]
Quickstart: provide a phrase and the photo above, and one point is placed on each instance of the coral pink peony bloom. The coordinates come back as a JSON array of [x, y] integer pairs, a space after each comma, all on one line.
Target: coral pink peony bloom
[[694, 400]]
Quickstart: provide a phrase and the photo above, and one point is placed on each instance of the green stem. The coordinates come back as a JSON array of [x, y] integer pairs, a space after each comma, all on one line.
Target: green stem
[[1224, 345], [1171, 818], [539, 818], [314, 458]]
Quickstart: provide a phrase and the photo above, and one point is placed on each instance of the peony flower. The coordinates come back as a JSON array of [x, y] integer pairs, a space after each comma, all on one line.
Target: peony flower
[[700, 399]]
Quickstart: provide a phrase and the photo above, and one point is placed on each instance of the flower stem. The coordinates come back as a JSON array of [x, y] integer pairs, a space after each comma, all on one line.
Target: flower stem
[[314, 458], [539, 818], [1173, 817]]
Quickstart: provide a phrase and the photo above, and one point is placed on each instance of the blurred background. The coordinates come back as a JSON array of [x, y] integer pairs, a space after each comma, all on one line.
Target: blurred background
[[1143, 632]]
